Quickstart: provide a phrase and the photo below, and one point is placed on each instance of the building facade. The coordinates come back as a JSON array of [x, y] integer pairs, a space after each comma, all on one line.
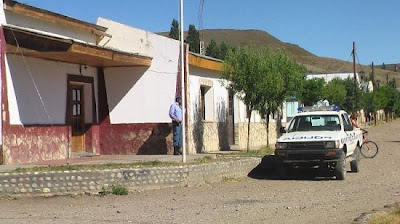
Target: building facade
[[71, 88]]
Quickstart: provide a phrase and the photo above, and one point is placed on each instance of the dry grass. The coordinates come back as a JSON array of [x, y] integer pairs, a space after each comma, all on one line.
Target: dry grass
[[392, 217], [155, 163], [258, 153]]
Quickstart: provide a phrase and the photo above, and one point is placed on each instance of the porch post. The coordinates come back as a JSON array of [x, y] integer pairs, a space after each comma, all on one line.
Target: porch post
[[183, 88]]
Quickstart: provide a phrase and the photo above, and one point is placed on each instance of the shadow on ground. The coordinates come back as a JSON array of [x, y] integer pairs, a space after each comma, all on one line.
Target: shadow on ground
[[270, 169]]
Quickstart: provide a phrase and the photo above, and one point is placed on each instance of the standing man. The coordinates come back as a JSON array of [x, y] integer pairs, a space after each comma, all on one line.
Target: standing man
[[175, 113]]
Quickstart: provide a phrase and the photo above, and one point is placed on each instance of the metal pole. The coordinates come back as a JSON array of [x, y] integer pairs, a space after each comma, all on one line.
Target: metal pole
[[354, 62], [183, 94]]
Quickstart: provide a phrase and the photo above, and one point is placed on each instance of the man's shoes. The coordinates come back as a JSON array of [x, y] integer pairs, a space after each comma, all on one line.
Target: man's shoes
[[176, 151]]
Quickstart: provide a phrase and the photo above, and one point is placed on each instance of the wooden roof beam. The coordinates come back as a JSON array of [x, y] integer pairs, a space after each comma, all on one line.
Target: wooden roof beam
[[203, 62], [41, 14]]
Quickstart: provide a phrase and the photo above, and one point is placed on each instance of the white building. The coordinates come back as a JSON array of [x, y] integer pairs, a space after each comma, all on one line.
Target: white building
[[69, 88], [329, 76]]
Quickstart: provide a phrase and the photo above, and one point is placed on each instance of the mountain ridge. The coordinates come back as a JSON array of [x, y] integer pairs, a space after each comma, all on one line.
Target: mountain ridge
[[313, 63]]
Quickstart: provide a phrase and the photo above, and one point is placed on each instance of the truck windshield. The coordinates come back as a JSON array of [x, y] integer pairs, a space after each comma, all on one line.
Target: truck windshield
[[315, 123]]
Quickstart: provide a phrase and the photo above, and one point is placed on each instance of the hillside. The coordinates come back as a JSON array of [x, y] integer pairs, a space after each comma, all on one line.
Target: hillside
[[313, 63], [390, 67]]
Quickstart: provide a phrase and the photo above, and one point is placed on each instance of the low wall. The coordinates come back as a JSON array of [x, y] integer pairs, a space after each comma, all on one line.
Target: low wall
[[258, 135], [78, 182], [212, 136], [207, 137]]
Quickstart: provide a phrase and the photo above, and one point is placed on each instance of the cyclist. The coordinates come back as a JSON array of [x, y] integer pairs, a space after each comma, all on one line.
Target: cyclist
[[353, 118]]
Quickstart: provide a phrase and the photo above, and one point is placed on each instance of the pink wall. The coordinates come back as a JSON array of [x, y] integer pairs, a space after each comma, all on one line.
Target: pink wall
[[125, 139]]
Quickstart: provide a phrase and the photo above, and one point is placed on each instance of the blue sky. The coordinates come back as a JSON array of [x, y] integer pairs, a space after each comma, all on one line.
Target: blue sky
[[326, 28]]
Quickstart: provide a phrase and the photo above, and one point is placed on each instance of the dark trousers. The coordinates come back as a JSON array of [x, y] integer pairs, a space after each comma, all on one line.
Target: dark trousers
[[177, 134]]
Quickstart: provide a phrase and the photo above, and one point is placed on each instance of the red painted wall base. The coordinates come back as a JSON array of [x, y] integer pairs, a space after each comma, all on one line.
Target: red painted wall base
[[40, 143]]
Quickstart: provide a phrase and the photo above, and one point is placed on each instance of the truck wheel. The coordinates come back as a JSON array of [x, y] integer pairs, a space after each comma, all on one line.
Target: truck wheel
[[340, 168], [355, 163]]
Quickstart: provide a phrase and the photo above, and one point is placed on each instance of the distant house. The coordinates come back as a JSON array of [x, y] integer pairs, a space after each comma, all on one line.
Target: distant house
[[329, 76], [71, 88], [293, 104]]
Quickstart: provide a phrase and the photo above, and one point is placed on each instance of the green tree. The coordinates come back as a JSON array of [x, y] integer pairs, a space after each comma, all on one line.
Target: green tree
[[392, 83], [312, 91], [193, 39], [243, 70], [353, 96], [174, 31], [367, 103], [223, 50], [282, 78], [335, 91], [387, 98], [261, 79], [212, 49]]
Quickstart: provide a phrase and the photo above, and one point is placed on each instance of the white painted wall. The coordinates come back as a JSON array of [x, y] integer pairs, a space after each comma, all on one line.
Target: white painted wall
[[2, 13], [44, 103], [129, 39], [2, 21], [55, 28], [329, 76], [143, 94], [197, 77], [217, 104]]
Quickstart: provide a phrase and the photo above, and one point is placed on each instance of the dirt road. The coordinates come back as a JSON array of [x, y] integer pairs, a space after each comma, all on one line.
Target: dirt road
[[255, 199]]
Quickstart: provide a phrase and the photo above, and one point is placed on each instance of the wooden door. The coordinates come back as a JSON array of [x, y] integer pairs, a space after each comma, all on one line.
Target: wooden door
[[77, 119]]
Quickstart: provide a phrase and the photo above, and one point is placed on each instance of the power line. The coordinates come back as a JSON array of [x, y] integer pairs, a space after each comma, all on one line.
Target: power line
[[344, 63], [33, 80], [200, 18], [359, 64]]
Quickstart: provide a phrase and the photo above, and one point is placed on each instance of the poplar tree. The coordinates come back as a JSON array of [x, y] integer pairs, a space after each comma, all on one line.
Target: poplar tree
[[212, 49], [193, 39], [174, 31], [223, 50]]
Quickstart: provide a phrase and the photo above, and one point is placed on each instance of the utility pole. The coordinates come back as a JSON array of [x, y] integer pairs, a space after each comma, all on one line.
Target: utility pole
[[355, 75], [354, 62], [387, 79], [373, 76]]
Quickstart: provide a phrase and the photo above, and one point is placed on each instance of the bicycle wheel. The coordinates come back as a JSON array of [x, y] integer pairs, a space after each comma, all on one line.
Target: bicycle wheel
[[369, 149]]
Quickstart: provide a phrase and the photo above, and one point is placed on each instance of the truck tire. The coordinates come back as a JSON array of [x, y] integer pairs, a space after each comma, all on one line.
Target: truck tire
[[355, 163], [340, 168]]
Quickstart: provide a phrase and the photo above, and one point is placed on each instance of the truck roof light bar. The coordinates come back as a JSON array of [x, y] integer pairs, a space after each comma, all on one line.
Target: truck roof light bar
[[318, 108]]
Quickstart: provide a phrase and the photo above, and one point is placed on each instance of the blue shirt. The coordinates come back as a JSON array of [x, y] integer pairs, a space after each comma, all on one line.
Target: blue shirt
[[175, 111]]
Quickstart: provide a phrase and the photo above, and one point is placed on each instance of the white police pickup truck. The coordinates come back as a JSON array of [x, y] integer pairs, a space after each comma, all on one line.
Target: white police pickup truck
[[320, 136]]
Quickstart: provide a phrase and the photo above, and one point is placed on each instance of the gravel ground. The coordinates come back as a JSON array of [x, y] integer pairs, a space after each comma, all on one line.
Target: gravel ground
[[259, 198]]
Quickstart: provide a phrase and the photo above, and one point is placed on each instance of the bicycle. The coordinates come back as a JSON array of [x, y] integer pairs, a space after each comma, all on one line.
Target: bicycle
[[369, 149]]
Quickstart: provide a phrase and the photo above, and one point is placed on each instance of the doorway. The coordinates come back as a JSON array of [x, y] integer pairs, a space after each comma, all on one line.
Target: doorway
[[77, 118]]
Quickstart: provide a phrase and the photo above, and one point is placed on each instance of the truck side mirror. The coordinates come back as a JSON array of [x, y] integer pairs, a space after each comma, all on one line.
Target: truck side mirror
[[282, 130], [348, 128]]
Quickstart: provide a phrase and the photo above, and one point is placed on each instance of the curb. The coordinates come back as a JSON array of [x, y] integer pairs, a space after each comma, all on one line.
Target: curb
[[94, 181]]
